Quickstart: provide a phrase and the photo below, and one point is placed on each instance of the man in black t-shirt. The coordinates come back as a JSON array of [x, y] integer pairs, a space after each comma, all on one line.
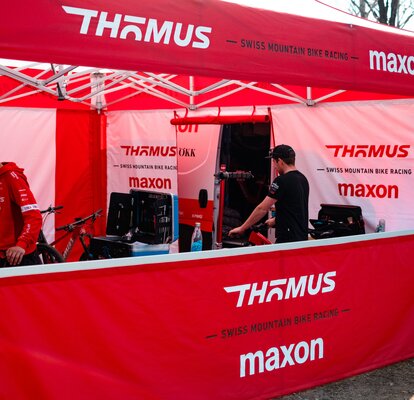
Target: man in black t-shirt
[[290, 192]]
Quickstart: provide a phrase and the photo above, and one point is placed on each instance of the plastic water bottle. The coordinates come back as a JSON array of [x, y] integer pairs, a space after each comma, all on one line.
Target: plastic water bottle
[[197, 238], [380, 226]]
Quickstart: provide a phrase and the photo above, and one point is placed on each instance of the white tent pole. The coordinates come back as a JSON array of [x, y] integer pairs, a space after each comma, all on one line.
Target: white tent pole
[[218, 85], [17, 88], [146, 89], [221, 96], [283, 89], [19, 96], [252, 86], [191, 82], [309, 101], [328, 96], [169, 85], [108, 77], [151, 90], [25, 79], [180, 103], [161, 82], [11, 73], [58, 75]]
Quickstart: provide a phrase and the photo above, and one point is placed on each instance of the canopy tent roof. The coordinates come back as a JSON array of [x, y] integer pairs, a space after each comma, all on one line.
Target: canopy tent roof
[[234, 45], [40, 85]]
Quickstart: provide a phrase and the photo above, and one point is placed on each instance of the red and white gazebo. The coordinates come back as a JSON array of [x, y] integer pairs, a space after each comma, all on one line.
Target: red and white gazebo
[[249, 323]]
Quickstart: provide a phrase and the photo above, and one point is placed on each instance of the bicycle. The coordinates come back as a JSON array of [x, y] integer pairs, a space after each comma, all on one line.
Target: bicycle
[[47, 253], [257, 235], [254, 236], [80, 229]]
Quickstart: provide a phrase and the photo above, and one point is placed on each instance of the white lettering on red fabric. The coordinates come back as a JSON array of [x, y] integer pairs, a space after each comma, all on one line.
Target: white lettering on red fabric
[[283, 289], [280, 357], [391, 62], [29, 207], [150, 30]]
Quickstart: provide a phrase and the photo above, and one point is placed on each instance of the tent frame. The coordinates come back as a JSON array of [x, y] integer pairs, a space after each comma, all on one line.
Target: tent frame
[[88, 86]]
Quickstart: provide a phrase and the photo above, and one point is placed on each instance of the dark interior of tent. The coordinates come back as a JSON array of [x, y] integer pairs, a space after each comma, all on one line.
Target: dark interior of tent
[[244, 148]]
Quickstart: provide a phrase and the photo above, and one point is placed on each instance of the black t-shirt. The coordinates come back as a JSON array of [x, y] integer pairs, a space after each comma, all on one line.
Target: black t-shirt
[[291, 191]]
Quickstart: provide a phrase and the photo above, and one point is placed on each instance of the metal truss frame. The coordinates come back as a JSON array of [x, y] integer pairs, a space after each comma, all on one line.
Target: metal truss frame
[[89, 86]]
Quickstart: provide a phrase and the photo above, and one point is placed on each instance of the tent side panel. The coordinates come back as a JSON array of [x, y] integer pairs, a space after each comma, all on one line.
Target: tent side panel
[[27, 137], [356, 153], [200, 37], [80, 168], [243, 325]]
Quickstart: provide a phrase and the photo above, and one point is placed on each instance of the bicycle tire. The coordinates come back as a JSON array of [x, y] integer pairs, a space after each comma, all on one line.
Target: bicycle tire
[[48, 254]]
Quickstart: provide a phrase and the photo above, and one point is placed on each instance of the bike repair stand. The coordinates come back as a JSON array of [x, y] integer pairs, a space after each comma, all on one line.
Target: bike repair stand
[[221, 178]]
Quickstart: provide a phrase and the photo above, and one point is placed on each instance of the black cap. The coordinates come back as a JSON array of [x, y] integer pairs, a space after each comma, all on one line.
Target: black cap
[[282, 151]]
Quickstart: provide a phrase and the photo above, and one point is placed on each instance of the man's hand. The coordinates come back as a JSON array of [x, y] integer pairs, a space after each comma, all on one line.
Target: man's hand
[[271, 222], [236, 231], [15, 255]]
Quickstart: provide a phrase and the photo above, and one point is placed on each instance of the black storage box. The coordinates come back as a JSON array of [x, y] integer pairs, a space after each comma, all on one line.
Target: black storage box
[[336, 220], [139, 216], [109, 247]]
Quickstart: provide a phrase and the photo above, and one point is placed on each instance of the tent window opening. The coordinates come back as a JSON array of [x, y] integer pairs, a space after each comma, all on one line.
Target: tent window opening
[[244, 148]]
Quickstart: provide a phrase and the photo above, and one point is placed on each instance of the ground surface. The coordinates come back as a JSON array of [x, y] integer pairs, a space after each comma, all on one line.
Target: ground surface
[[395, 382]]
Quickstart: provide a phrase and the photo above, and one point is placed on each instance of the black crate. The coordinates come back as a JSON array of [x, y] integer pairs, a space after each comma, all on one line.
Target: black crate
[[107, 247], [141, 216], [336, 220]]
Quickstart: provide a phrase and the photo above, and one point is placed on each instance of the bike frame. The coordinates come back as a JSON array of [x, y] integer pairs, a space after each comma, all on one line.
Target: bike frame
[[78, 232], [79, 229]]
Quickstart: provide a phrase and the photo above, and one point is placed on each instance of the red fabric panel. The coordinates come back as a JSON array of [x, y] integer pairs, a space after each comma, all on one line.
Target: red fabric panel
[[117, 333], [220, 120], [80, 170], [261, 45]]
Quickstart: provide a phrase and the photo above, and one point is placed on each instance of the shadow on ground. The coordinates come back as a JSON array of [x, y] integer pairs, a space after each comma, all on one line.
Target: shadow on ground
[[395, 382]]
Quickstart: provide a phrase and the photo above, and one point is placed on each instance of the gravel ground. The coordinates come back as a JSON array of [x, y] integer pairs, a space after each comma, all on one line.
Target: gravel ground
[[395, 382]]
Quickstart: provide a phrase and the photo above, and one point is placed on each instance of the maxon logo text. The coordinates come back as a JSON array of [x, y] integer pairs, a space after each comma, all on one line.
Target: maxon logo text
[[391, 62]]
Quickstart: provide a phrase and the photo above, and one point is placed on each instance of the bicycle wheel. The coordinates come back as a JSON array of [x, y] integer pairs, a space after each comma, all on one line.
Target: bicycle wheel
[[48, 254]]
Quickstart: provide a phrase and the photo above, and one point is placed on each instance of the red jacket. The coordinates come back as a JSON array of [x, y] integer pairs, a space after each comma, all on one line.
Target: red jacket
[[20, 218]]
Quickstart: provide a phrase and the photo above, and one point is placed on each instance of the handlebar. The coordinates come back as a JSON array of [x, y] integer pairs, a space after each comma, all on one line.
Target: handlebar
[[51, 210], [79, 222], [259, 228], [234, 175]]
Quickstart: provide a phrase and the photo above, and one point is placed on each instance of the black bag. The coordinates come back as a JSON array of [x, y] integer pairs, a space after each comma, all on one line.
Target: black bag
[[336, 220]]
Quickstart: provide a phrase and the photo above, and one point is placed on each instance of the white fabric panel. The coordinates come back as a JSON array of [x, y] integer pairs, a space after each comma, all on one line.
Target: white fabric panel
[[141, 151], [198, 147], [196, 171], [28, 138], [369, 162]]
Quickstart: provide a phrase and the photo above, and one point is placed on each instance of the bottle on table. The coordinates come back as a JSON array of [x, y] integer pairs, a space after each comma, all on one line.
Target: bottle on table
[[381, 226], [197, 238]]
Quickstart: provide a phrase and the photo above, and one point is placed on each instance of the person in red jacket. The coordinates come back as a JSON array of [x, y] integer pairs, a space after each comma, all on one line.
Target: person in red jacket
[[20, 218]]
